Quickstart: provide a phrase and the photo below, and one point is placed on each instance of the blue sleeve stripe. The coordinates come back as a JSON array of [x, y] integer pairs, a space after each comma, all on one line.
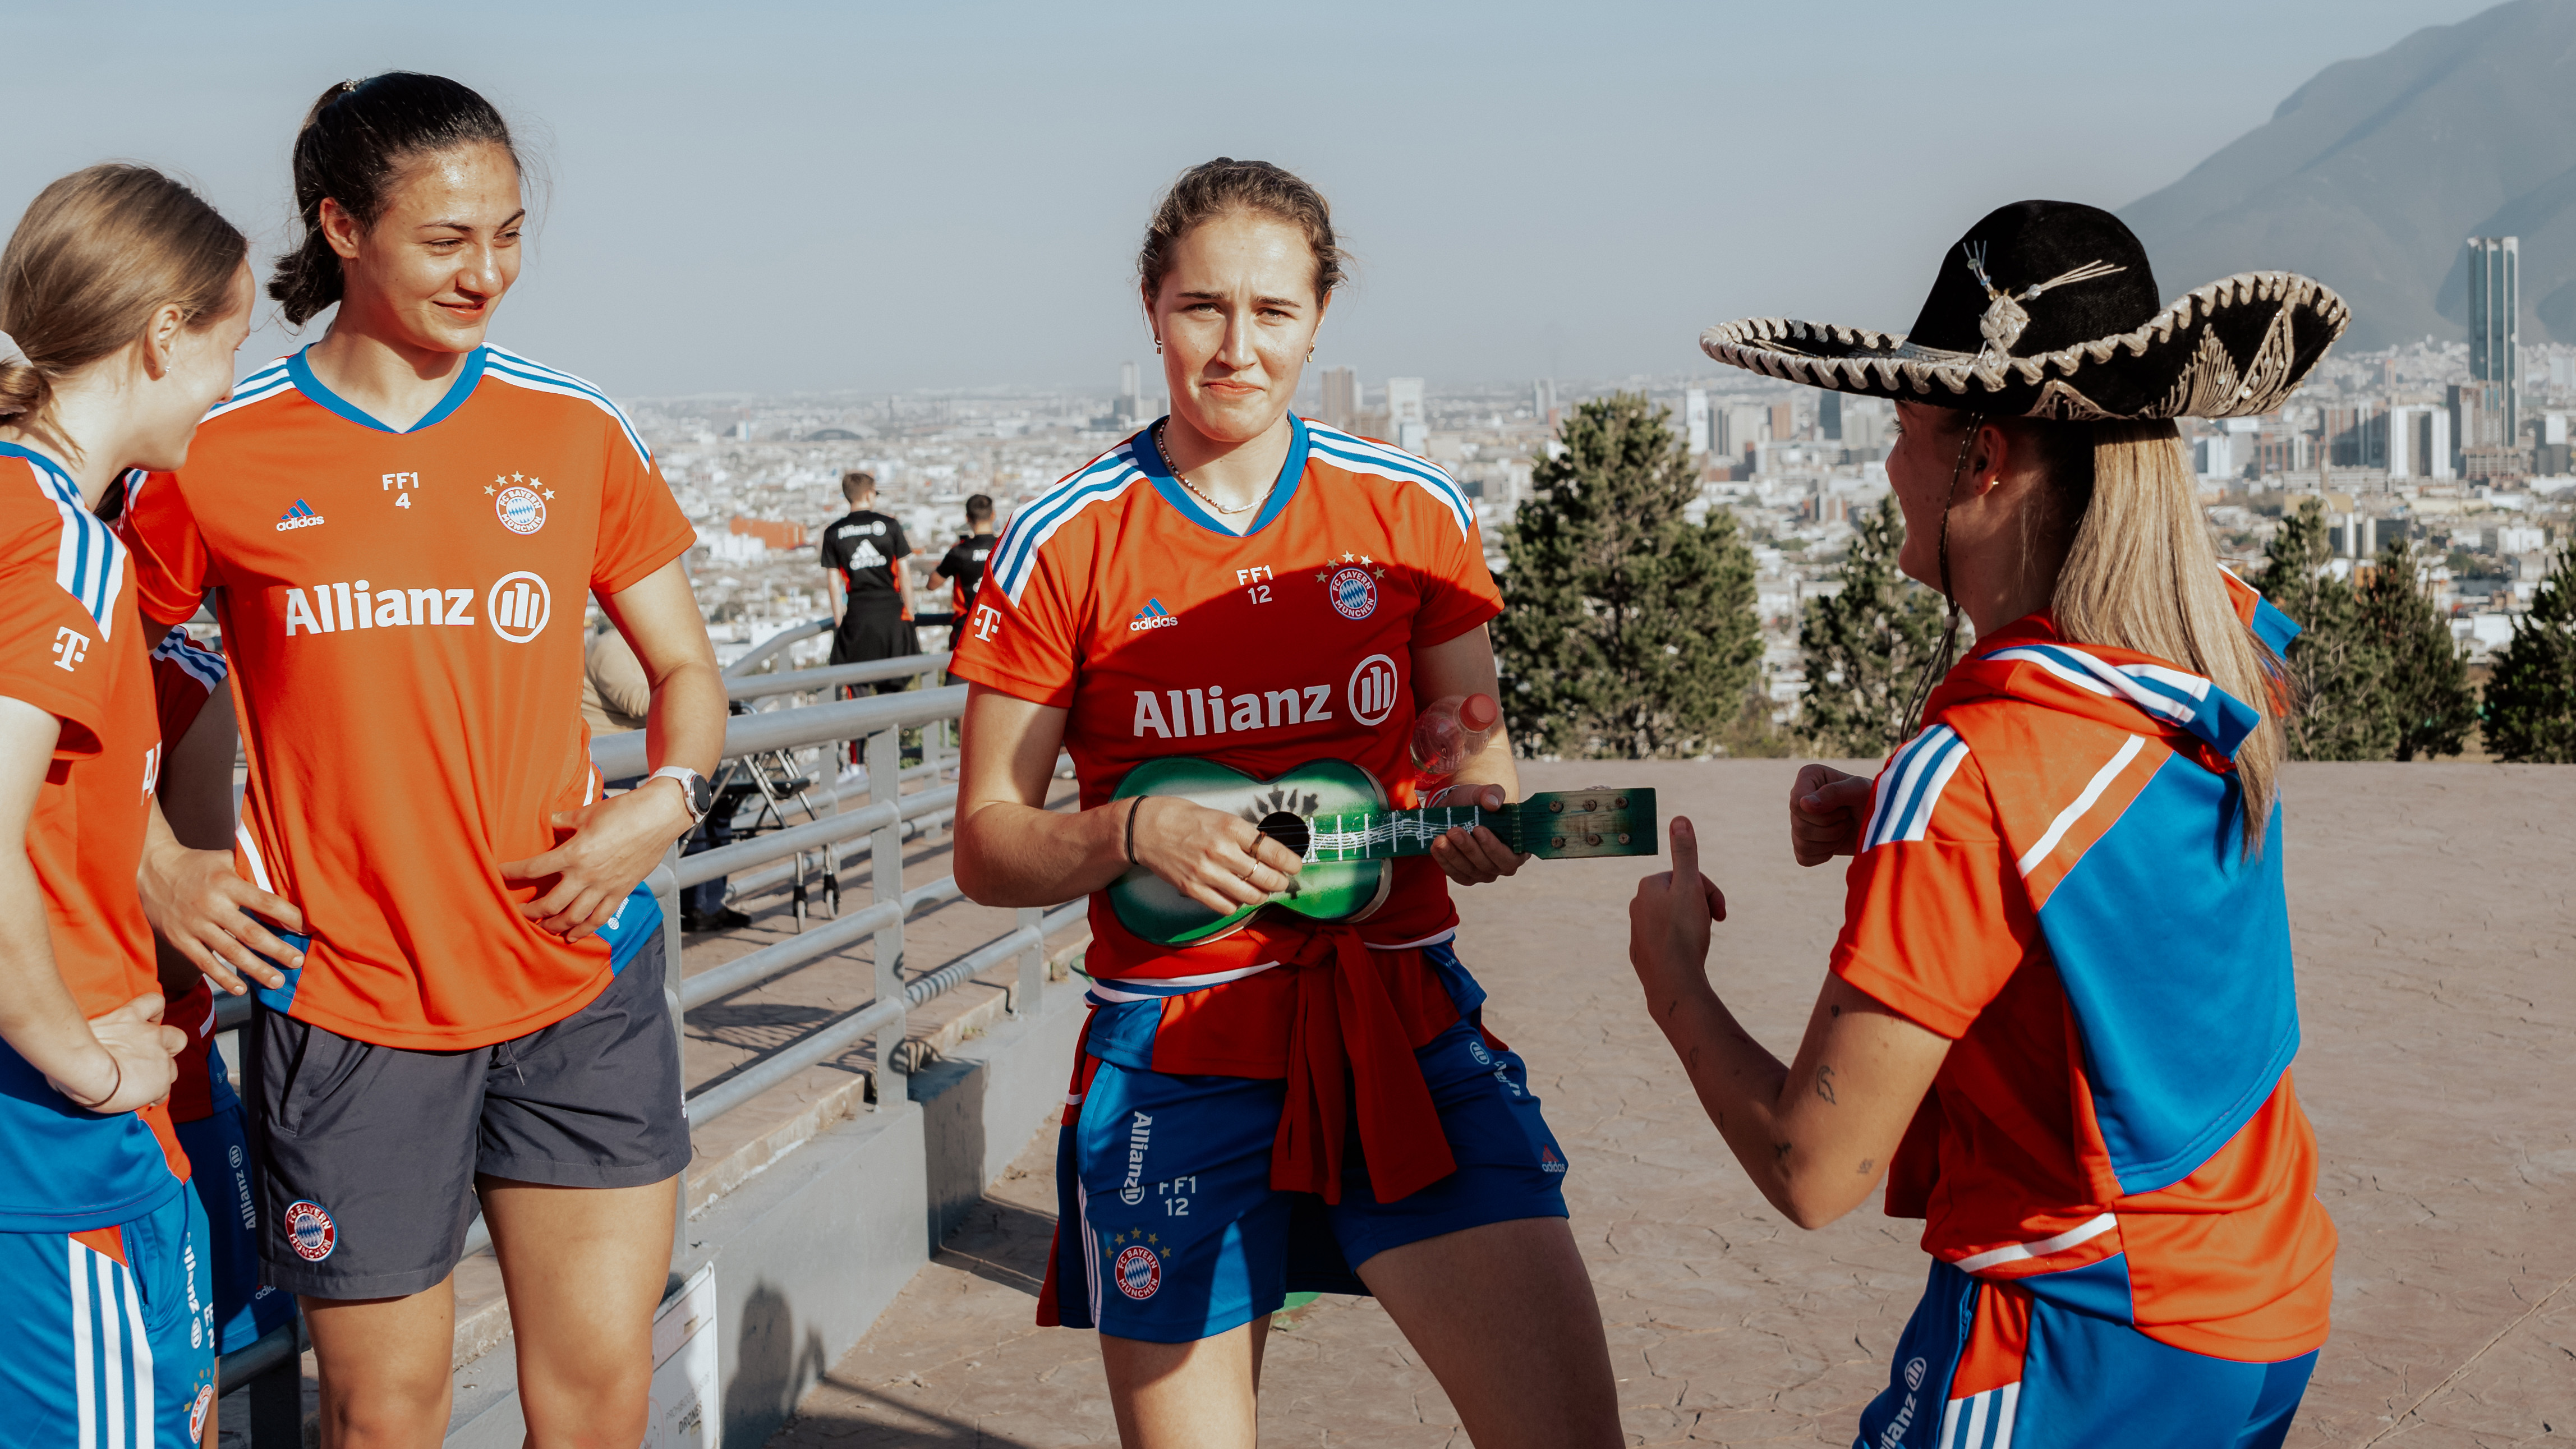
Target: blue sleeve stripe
[[89, 563], [203, 665], [1016, 554], [537, 377], [1911, 786], [266, 383], [1361, 456]]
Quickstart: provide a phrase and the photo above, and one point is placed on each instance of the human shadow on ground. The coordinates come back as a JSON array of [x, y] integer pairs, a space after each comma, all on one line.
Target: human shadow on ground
[[772, 1368]]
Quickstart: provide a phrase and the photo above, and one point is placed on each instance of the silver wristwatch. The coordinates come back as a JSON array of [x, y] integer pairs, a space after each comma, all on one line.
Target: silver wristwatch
[[695, 790]]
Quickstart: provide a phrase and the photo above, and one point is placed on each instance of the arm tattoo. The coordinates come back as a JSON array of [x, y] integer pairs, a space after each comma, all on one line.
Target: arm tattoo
[[1825, 1085], [1867, 1164], [1779, 1152]]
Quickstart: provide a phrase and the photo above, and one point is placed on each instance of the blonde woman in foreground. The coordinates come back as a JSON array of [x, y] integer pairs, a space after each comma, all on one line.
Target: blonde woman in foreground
[[2060, 1016]]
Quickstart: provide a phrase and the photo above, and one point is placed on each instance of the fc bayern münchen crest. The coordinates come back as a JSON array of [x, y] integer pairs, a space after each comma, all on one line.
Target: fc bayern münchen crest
[[521, 510], [310, 1231], [1353, 592], [1138, 1272]]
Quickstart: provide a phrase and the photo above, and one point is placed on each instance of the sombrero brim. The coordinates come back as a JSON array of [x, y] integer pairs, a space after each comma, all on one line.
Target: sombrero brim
[[2234, 348]]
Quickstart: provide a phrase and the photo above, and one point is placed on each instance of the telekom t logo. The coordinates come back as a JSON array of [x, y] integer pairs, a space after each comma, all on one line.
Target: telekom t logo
[[987, 619], [70, 647]]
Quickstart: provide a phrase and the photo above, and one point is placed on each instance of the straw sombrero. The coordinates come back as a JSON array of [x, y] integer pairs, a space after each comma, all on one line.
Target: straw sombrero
[[2048, 309]]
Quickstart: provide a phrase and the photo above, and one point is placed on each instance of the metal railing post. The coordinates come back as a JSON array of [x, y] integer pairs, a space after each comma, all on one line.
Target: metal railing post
[[668, 893], [277, 1402], [885, 855], [1033, 972]]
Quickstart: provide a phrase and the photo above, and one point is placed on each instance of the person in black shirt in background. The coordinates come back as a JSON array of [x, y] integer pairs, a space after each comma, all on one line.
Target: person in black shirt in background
[[871, 594], [964, 565]]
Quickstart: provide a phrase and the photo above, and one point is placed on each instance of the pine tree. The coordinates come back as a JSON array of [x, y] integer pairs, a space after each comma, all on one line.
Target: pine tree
[[2424, 696], [2531, 697], [1867, 645], [2335, 666], [1628, 631]]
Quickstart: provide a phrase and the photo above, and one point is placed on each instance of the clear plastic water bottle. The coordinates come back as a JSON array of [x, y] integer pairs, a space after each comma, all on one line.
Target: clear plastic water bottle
[[1447, 734]]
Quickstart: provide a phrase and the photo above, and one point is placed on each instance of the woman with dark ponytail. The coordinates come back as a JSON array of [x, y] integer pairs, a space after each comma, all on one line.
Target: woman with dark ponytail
[[123, 297], [459, 980]]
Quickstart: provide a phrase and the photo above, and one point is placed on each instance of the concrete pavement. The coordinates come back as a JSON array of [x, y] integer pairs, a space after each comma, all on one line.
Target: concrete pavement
[[2436, 933]]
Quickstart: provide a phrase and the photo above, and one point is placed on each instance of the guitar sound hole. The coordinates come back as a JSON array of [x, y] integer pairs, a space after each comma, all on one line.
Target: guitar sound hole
[[1289, 830]]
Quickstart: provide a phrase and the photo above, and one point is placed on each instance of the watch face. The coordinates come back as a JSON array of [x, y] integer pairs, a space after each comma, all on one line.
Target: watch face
[[702, 795]]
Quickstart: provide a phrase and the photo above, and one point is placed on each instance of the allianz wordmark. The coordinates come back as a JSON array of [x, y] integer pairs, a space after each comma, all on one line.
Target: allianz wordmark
[[516, 607], [1370, 695]]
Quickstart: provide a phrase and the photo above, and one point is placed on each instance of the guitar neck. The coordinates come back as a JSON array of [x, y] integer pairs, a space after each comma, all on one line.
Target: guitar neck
[[1556, 824]]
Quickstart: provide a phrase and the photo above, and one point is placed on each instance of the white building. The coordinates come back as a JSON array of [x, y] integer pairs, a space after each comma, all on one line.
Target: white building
[[1341, 398], [1695, 431], [2419, 442], [1406, 424]]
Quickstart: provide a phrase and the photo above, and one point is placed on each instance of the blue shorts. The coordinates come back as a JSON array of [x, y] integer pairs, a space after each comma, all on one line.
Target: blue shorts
[[1999, 1366], [219, 1155], [107, 1338], [1170, 1232]]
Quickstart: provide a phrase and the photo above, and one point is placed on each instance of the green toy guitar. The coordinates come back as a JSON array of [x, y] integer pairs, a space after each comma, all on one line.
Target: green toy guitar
[[1335, 817]]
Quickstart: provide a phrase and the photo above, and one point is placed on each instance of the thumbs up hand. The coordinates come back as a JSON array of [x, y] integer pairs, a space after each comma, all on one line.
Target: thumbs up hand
[[1669, 922]]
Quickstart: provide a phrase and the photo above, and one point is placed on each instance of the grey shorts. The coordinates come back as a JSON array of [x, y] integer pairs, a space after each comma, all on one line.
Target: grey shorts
[[368, 1154]]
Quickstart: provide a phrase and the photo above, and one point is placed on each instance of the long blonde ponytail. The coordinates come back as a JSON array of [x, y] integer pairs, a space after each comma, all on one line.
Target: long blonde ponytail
[[2141, 573]]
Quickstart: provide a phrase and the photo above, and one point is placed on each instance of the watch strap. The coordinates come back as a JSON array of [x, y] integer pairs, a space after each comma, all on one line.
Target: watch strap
[[691, 784]]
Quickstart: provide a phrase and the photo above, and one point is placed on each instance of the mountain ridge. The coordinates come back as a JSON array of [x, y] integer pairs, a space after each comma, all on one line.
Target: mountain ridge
[[2371, 174]]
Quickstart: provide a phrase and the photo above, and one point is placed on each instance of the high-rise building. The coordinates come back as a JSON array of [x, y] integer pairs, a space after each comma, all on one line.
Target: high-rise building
[[1406, 424], [1784, 421], [2495, 322], [1829, 417], [2419, 442], [1695, 420], [1543, 399], [1745, 427], [1131, 402], [1342, 398]]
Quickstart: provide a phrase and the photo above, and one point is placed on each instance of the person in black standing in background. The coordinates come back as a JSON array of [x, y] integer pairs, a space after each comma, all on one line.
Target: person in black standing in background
[[863, 553], [964, 565]]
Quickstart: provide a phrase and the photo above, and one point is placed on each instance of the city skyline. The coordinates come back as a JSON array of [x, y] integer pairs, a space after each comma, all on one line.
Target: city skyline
[[794, 197]]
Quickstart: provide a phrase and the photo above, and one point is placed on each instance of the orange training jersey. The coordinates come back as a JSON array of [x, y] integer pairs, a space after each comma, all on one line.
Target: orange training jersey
[[2052, 876], [402, 612], [1116, 596], [77, 653]]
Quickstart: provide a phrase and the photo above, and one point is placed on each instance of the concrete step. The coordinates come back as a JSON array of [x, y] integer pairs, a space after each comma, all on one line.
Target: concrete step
[[818, 1219]]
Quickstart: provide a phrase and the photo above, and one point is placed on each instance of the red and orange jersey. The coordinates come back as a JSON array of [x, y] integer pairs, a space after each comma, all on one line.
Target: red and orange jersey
[[2052, 875], [1115, 596], [409, 690], [77, 653]]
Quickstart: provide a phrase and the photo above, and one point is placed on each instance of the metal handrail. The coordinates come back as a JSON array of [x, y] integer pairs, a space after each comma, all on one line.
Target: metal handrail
[[724, 860], [832, 1040], [780, 957], [775, 642], [832, 676], [621, 755]]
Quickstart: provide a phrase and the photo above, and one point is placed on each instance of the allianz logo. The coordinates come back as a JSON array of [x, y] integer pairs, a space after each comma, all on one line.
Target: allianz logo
[[1371, 696], [517, 607]]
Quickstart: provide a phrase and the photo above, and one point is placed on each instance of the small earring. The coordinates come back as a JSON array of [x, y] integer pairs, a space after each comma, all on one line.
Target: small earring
[[1158, 347], [1310, 354]]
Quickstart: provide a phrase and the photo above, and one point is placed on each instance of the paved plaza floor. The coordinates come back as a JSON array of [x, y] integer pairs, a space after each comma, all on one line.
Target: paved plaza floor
[[2437, 949]]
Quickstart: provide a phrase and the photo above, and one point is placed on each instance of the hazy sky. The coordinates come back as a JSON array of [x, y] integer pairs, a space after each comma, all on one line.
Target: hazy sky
[[773, 197]]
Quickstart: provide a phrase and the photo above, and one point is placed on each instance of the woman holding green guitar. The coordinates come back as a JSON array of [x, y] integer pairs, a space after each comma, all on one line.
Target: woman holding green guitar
[[1230, 621]]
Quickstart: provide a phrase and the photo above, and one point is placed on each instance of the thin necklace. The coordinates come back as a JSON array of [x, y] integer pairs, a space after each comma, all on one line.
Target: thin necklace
[[1165, 455]]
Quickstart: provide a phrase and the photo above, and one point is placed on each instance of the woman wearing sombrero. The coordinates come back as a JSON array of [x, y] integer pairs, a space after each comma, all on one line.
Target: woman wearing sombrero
[[2060, 1016]]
